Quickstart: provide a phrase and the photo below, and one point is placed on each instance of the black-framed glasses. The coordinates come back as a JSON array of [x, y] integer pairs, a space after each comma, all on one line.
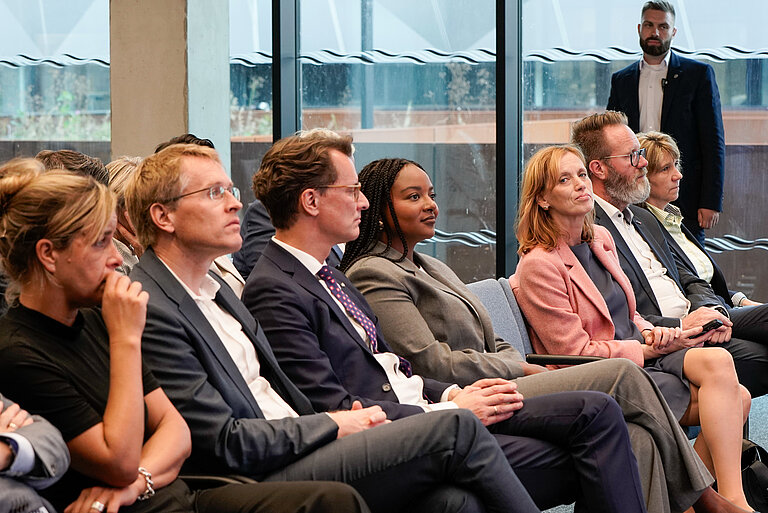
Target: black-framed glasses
[[215, 192], [355, 188], [634, 156]]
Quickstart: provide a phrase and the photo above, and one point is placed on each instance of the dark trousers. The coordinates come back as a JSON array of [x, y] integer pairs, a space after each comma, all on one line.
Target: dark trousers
[[444, 458], [295, 497], [577, 444]]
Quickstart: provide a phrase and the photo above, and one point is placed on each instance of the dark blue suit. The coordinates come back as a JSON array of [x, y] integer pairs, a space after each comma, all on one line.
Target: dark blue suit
[[690, 113], [749, 356], [322, 353]]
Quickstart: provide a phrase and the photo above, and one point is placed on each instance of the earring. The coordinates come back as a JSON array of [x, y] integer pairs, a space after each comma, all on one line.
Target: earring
[[381, 225], [545, 207]]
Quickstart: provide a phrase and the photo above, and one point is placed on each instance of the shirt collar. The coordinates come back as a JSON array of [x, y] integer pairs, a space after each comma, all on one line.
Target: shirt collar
[[208, 288], [613, 212], [664, 63], [307, 260]]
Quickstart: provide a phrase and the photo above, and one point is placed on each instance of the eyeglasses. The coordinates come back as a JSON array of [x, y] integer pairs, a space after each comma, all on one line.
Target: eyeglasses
[[355, 188], [215, 192], [634, 156]]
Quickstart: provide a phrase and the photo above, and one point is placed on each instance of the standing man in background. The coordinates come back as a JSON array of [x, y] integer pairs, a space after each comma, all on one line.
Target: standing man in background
[[678, 96]]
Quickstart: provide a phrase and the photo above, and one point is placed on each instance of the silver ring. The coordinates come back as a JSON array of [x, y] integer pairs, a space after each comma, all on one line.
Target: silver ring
[[12, 425], [98, 506], [495, 410]]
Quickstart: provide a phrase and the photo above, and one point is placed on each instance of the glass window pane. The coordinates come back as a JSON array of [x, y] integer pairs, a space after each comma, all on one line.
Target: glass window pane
[[250, 79], [414, 80], [54, 77]]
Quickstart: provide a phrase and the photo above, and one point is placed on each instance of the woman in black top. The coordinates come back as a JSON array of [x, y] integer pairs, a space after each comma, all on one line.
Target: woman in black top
[[80, 366]]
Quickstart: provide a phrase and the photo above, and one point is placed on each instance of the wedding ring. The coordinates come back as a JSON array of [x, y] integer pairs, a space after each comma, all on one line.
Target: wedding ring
[[98, 506], [495, 410], [12, 425]]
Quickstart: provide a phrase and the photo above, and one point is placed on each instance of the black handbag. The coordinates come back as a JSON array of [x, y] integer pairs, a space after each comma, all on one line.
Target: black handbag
[[754, 474]]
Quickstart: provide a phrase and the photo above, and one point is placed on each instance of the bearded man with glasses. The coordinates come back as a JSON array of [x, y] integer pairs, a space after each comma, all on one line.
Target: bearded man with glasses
[[667, 292]]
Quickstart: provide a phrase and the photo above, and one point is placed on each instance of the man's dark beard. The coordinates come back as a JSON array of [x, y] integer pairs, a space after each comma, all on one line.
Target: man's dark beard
[[624, 190], [655, 50]]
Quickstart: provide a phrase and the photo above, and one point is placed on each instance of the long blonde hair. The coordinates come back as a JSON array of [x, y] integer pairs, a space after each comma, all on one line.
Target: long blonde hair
[[535, 227], [55, 205]]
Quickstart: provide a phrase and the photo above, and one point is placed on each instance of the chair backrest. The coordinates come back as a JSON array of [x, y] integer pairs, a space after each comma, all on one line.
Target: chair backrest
[[518, 315], [507, 320]]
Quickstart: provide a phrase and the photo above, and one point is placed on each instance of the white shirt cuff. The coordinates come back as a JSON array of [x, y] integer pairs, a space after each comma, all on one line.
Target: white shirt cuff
[[25, 455]]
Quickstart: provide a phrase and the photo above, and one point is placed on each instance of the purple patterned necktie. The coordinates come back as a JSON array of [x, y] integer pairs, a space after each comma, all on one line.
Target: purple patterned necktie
[[325, 274]]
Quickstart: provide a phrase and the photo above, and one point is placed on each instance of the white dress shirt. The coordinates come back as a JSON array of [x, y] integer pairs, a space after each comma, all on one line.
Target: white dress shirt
[[650, 93], [409, 390], [240, 349], [671, 299]]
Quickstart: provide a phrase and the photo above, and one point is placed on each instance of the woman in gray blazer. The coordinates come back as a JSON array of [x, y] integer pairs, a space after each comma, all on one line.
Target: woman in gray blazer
[[430, 317]]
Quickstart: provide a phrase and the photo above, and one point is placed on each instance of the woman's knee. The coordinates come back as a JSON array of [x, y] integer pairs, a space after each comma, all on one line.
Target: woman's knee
[[714, 363]]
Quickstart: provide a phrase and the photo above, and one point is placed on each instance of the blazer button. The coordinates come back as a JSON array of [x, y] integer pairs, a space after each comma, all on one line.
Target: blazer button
[[386, 387]]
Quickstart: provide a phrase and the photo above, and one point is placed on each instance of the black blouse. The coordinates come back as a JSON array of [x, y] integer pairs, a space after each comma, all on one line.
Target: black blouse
[[611, 291]]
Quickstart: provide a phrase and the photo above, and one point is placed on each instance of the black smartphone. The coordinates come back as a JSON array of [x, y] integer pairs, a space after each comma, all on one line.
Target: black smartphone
[[711, 325]]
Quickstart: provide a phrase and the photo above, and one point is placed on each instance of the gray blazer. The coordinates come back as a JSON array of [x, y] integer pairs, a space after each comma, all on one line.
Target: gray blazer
[[432, 319], [51, 462]]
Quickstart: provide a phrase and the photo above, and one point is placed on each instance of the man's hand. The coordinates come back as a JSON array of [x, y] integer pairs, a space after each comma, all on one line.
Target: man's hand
[[13, 417], [529, 369], [703, 315], [708, 218], [491, 400], [358, 419]]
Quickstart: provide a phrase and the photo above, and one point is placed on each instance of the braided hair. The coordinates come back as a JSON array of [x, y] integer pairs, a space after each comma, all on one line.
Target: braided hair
[[376, 180]]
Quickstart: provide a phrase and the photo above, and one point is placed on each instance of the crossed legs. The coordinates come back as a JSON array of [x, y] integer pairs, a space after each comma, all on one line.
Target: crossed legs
[[673, 477]]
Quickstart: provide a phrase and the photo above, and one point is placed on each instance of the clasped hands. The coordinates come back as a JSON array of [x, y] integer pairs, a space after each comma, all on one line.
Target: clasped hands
[[492, 400], [661, 340]]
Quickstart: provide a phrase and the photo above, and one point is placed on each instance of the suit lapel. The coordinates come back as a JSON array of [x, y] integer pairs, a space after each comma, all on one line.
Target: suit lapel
[[582, 281], [633, 113], [445, 285], [674, 74], [191, 312], [621, 245], [655, 245], [296, 270]]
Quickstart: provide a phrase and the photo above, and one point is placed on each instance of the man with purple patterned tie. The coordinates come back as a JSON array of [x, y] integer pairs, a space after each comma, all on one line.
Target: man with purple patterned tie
[[564, 447], [244, 413]]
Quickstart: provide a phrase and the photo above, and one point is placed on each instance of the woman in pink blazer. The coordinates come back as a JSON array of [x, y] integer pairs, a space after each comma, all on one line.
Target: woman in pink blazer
[[577, 300]]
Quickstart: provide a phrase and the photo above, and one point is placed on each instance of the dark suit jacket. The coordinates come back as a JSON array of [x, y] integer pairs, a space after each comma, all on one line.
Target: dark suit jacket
[[315, 342], [229, 432], [698, 292], [690, 113], [718, 283], [256, 230]]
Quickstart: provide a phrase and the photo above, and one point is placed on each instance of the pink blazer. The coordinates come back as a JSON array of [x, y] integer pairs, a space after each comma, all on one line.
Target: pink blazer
[[565, 312]]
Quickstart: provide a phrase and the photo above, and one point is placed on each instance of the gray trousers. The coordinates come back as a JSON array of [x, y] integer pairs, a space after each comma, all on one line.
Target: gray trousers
[[672, 475], [446, 457]]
